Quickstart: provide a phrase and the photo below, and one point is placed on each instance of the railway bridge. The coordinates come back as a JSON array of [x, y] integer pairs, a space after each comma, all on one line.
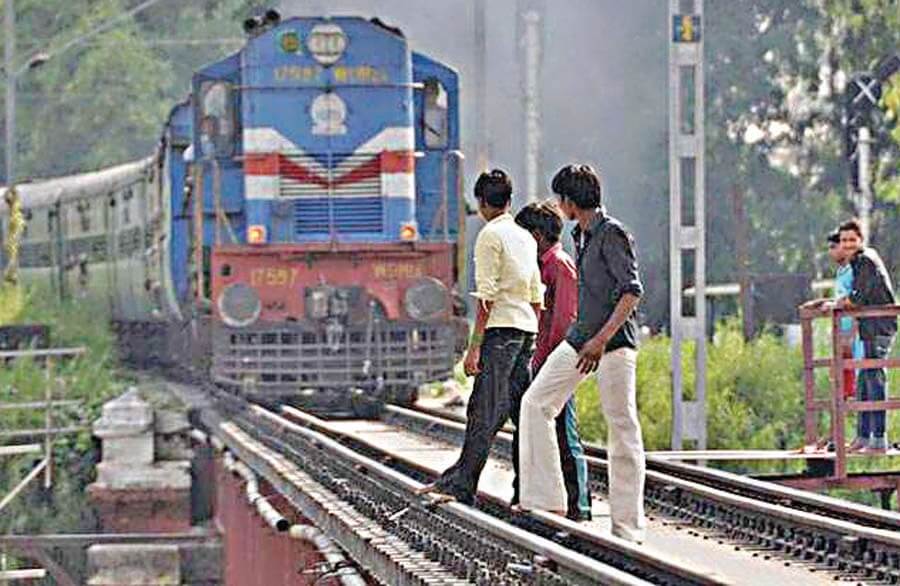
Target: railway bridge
[[219, 490]]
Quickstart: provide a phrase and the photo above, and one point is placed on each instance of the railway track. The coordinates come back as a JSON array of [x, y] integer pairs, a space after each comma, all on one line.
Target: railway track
[[772, 525], [369, 506], [851, 541], [799, 500]]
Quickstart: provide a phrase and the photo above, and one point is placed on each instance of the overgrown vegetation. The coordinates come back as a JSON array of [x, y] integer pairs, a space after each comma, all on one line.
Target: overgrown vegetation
[[754, 393], [90, 379], [754, 399]]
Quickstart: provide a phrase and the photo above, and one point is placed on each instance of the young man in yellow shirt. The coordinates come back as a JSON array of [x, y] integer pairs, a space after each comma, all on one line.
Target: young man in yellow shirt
[[509, 293]]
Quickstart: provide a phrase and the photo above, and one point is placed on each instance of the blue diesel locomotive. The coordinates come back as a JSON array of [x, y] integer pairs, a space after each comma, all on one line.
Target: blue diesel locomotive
[[297, 228]]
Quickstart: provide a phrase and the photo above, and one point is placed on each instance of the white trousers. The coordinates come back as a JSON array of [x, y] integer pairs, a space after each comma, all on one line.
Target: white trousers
[[542, 485]]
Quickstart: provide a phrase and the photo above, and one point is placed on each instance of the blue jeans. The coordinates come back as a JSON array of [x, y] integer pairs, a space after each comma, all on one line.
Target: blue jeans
[[505, 356], [871, 385]]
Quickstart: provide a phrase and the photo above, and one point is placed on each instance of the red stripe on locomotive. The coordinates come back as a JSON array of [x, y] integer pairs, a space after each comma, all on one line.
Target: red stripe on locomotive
[[279, 164], [280, 273]]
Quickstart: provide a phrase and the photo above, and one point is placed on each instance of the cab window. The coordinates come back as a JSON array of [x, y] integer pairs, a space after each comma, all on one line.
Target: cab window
[[217, 127], [435, 117]]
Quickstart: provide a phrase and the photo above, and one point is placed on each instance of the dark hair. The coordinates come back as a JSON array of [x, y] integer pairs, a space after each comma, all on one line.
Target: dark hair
[[834, 237], [580, 184], [543, 218], [494, 188], [852, 225]]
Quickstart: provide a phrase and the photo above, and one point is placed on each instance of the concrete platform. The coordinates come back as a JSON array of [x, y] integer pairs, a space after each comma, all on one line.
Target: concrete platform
[[740, 566]]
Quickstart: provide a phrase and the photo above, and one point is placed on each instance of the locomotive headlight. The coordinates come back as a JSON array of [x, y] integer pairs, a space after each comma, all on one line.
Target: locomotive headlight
[[256, 234], [326, 43], [408, 232], [426, 299], [239, 305]]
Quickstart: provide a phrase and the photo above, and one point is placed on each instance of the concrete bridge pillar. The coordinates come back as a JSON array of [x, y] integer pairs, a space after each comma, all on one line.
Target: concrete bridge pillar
[[144, 486], [136, 490]]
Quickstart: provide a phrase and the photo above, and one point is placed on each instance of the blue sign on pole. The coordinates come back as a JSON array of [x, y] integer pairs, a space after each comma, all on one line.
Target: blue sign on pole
[[686, 28]]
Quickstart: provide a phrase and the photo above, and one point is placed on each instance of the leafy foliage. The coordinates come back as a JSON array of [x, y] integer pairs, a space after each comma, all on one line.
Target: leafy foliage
[[104, 102], [90, 379], [754, 396], [776, 72]]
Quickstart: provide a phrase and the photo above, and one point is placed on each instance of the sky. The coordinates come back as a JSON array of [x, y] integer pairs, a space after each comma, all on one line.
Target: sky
[[603, 82]]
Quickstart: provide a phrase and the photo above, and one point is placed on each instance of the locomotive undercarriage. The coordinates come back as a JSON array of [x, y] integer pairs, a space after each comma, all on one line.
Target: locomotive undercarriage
[[328, 367]]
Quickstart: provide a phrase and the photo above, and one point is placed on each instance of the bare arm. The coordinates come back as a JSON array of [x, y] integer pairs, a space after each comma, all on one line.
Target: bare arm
[[592, 351], [624, 308], [482, 315]]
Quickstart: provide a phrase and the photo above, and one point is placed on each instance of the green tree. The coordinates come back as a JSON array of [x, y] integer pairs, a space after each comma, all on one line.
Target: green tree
[[104, 101], [754, 140], [776, 71]]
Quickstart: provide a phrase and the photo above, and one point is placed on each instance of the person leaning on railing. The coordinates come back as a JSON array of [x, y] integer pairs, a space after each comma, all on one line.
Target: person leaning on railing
[[871, 286], [851, 345]]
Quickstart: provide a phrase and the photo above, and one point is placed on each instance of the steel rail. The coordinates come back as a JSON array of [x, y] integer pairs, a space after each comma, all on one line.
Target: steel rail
[[603, 548], [546, 562], [793, 498], [853, 545], [570, 565]]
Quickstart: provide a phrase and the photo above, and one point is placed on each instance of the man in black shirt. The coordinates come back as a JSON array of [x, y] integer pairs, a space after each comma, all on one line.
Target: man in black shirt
[[871, 286], [602, 339]]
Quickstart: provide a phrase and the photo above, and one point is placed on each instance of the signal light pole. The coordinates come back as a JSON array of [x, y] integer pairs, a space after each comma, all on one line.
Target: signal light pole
[[860, 99], [863, 160], [687, 224]]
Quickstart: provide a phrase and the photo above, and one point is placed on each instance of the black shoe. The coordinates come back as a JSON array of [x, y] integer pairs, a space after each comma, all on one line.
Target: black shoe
[[466, 499]]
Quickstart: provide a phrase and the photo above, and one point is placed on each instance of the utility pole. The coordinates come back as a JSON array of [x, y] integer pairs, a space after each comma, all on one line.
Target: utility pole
[[687, 226], [531, 22], [742, 253], [482, 154], [9, 59]]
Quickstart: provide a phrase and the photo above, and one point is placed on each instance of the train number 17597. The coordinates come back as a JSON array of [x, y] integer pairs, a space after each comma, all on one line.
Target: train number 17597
[[274, 277]]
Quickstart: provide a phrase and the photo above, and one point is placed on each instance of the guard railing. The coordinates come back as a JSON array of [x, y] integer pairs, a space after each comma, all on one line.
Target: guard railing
[[835, 403]]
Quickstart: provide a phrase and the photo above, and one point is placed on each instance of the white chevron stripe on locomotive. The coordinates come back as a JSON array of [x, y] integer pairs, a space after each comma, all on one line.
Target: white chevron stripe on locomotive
[[269, 140]]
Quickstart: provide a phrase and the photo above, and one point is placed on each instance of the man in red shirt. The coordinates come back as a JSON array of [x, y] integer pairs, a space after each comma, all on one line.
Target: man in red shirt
[[545, 222]]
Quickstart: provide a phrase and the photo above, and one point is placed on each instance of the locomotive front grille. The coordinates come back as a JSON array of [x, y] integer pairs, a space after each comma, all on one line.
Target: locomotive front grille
[[358, 215], [292, 356], [344, 198]]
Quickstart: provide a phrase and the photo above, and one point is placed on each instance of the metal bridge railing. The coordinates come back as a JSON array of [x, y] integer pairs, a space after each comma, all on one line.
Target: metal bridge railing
[[45, 435], [837, 405]]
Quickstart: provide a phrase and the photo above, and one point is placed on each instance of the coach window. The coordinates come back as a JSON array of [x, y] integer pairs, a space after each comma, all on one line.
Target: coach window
[[217, 119], [126, 207], [26, 233], [435, 116], [84, 215]]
